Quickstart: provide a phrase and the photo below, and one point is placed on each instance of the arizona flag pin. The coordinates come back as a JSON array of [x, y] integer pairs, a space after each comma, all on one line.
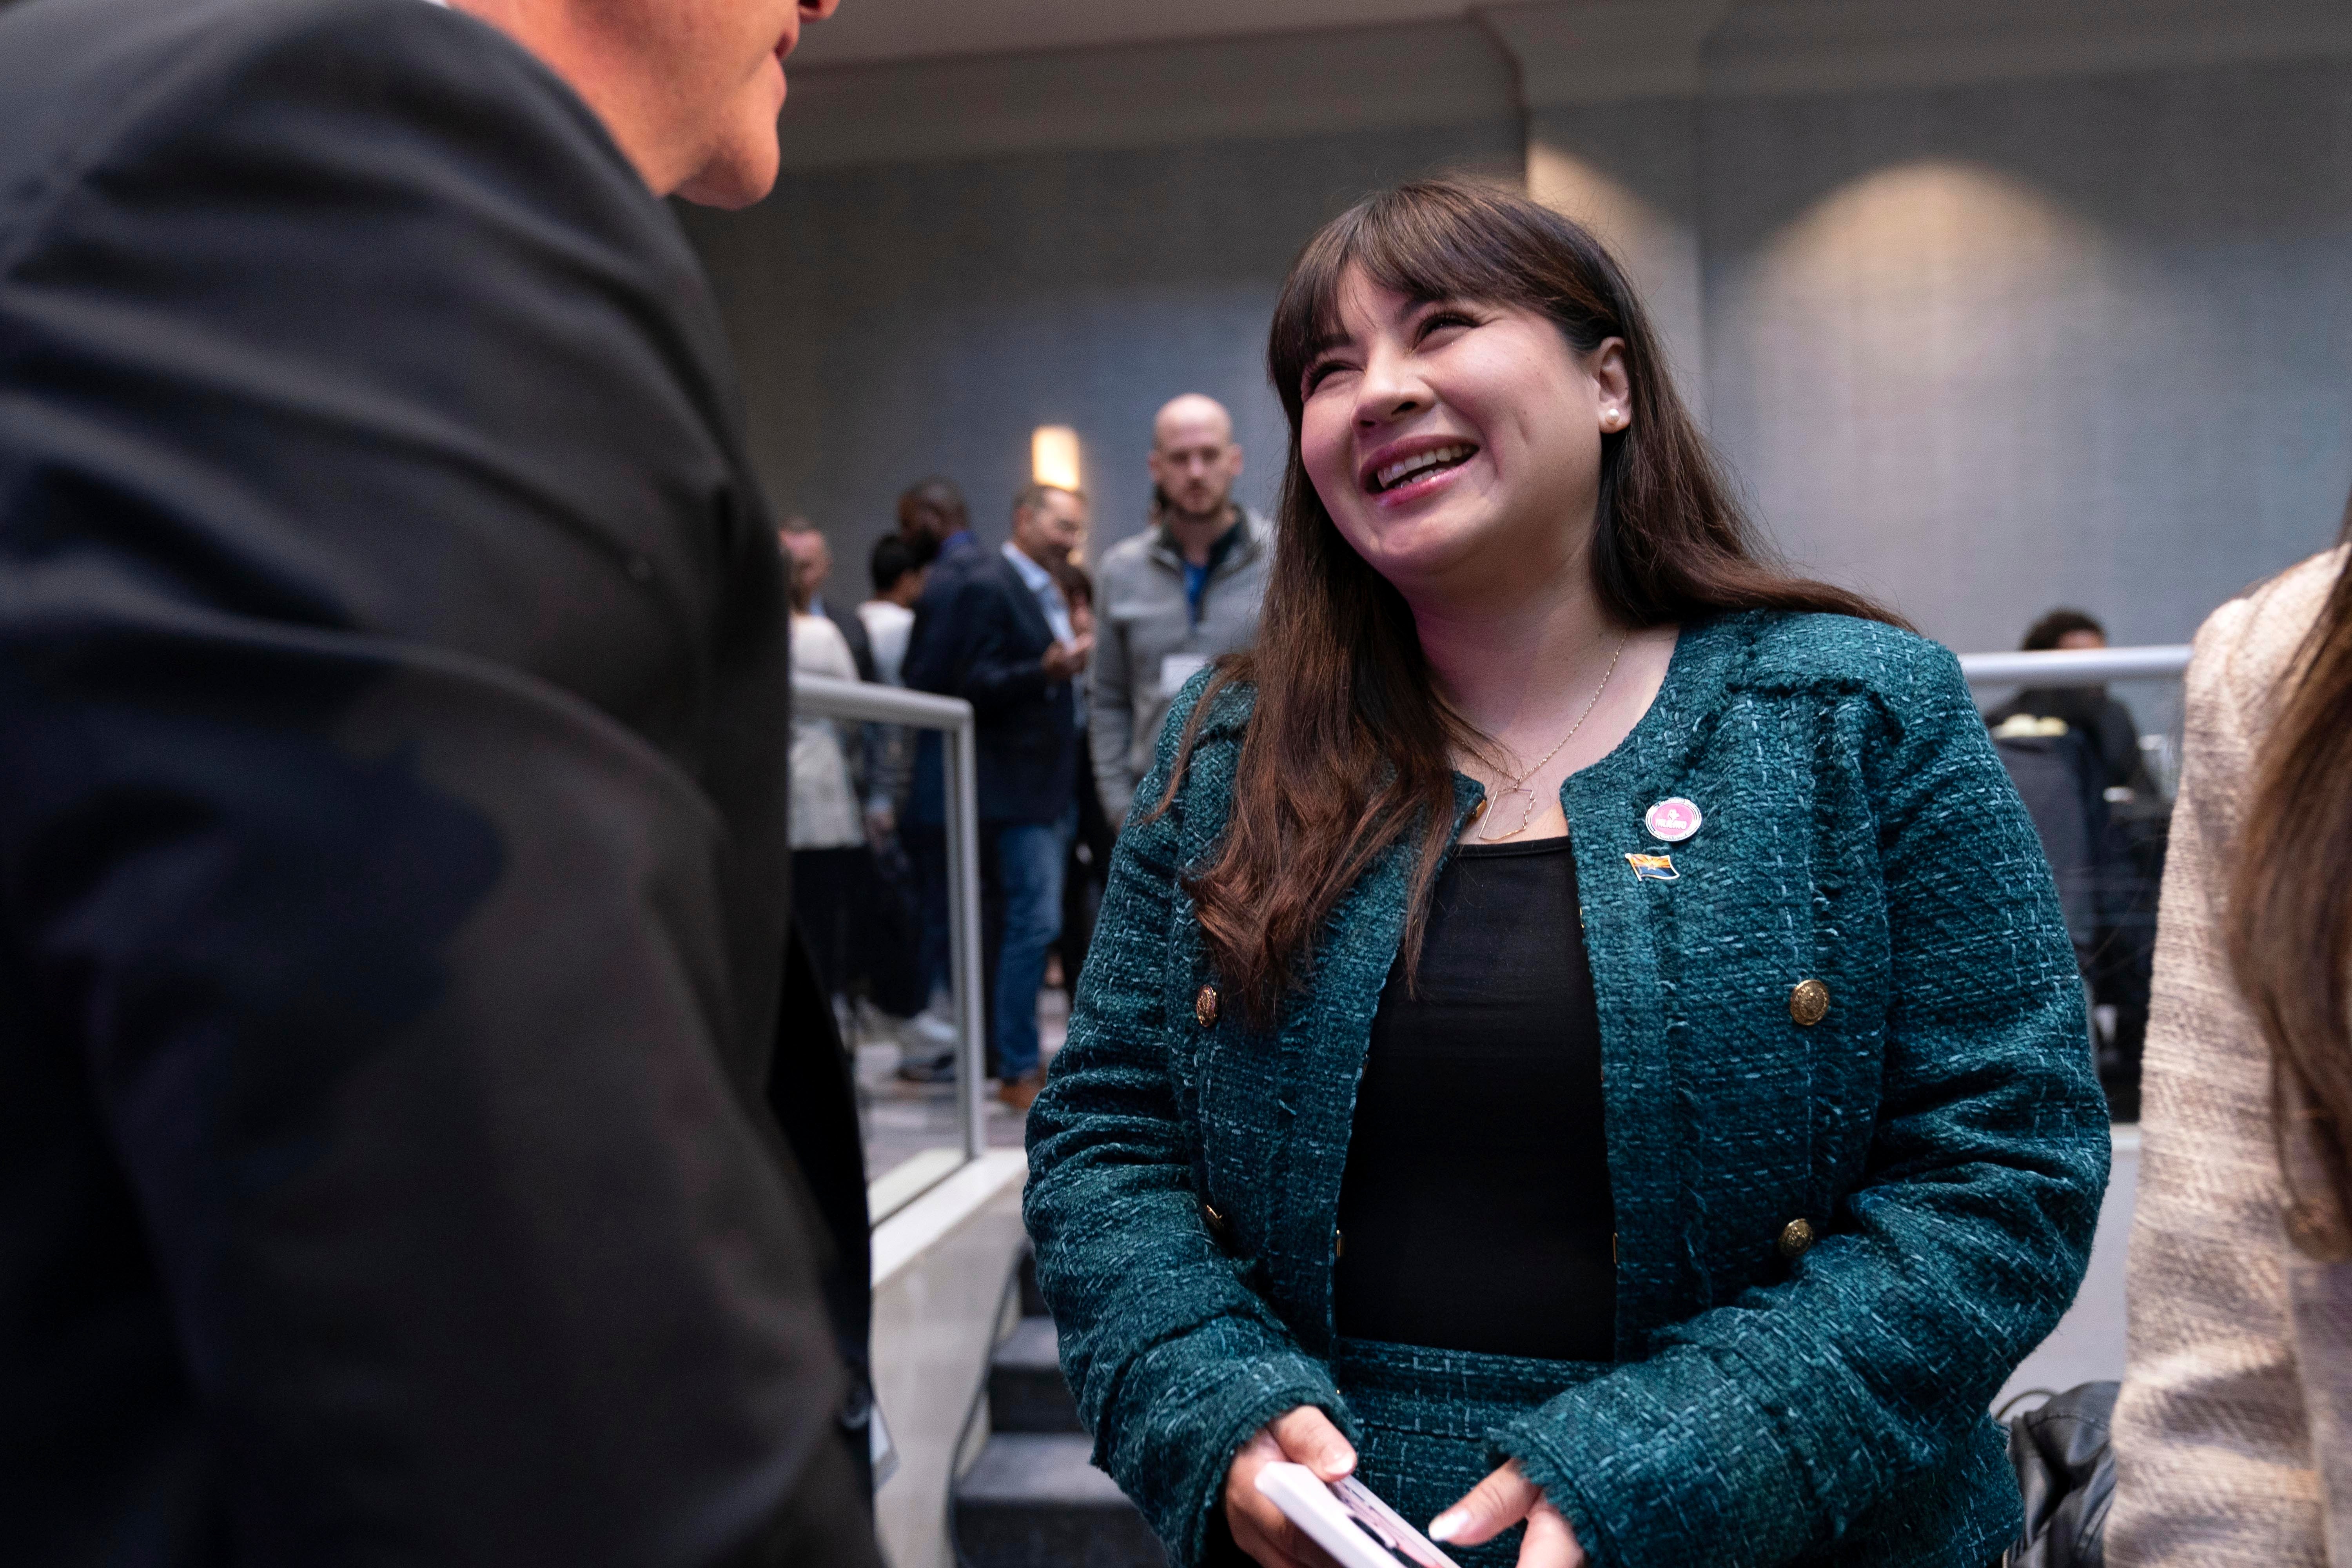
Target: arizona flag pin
[[1672, 820], [1653, 868]]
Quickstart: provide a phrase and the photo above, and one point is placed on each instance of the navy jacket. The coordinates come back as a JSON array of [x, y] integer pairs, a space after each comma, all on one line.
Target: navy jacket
[[402, 1069], [981, 634], [1937, 1128]]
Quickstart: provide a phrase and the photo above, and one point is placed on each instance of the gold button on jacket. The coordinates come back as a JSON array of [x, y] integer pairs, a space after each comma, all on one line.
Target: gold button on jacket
[[1204, 1006], [1808, 1001], [1795, 1237]]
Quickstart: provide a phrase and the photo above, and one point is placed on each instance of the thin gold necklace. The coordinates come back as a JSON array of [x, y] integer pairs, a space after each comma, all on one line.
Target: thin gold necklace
[[1518, 785]]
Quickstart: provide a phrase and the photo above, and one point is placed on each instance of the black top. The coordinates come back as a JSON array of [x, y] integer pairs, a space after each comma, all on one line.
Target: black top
[[1474, 1213]]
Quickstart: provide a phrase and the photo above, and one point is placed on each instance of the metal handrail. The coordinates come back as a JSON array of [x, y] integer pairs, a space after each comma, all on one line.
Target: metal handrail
[[2074, 666], [871, 702], [859, 701], [862, 702]]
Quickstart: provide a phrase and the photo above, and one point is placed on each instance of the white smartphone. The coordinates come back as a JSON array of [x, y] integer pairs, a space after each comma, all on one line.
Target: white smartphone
[[1346, 1519]]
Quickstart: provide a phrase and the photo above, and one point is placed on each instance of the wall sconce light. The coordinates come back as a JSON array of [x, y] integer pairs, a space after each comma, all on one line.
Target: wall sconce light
[[1053, 456]]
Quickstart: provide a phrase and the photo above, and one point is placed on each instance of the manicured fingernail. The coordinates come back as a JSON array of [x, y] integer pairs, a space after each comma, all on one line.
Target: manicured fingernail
[[1446, 1526]]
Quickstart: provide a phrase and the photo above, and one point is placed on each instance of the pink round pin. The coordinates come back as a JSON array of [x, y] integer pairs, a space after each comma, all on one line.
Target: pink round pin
[[1673, 820]]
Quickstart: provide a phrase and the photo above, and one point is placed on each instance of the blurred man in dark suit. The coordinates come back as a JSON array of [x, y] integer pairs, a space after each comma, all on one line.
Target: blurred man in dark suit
[[2105, 725], [935, 521], [416, 1145], [1004, 641]]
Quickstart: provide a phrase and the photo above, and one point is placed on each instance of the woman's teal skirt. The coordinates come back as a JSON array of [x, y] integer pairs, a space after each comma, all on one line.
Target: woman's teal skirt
[[1426, 1413]]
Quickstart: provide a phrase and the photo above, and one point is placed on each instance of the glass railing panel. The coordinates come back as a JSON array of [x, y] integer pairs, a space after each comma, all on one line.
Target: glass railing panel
[[2092, 739], [917, 1134]]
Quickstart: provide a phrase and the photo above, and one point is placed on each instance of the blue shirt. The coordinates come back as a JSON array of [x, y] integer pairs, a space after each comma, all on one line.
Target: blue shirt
[[1196, 578]]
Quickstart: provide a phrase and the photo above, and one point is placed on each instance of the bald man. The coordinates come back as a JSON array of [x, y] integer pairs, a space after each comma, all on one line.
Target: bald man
[[1174, 596]]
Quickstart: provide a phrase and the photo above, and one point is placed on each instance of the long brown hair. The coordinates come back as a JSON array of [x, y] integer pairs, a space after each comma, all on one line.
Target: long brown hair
[[2290, 905], [1348, 747]]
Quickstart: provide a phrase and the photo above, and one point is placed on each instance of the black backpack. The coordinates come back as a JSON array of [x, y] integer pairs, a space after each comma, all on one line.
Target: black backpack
[[2067, 1476]]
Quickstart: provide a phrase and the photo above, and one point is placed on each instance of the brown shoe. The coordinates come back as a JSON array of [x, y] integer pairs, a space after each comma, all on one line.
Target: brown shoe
[[1020, 1093]]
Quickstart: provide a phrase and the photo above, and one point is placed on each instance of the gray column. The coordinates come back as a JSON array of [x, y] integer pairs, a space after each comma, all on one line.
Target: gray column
[[1611, 90]]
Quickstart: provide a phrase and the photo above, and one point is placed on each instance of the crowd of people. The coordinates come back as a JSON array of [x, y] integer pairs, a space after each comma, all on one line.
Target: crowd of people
[[1070, 674], [1580, 1030]]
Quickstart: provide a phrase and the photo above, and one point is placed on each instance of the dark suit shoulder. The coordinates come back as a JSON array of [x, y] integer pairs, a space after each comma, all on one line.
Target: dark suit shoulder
[[988, 586], [382, 129], [997, 571], [450, 345], [80, 79], [980, 579]]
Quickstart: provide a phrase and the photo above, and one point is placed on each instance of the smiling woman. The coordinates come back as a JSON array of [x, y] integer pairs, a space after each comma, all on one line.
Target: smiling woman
[[1559, 497], [1667, 1164]]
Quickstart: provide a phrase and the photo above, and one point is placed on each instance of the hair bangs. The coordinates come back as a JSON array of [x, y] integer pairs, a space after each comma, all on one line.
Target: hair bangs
[[1427, 241]]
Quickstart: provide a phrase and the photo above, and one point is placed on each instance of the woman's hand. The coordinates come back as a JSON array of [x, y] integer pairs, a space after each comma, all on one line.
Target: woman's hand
[[1496, 1503], [1304, 1437]]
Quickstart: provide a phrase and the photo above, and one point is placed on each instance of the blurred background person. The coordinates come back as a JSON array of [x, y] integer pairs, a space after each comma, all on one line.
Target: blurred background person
[[900, 567], [936, 523], [1091, 843], [1004, 641], [828, 833], [423, 1141], [890, 921], [2074, 754], [2088, 710], [933, 518], [1174, 596], [811, 558], [2234, 1427]]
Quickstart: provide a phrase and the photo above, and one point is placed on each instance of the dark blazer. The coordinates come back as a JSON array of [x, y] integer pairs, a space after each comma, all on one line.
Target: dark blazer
[[1839, 1227], [394, 1010], [921, 671], [983, 639]]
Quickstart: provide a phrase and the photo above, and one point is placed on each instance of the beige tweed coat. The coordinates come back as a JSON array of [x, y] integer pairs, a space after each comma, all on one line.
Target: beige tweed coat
[[2233, 1432]]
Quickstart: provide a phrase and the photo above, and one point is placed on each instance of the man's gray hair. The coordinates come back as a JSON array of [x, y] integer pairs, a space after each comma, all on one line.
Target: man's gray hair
[[1032, 496]]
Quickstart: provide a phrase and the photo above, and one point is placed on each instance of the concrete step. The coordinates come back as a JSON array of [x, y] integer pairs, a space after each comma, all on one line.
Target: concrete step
[[1025, 1391], [1032, 1500]]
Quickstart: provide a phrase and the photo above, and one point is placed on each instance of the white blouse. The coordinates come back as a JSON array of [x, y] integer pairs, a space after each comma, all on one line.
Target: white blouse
[[824, 806]]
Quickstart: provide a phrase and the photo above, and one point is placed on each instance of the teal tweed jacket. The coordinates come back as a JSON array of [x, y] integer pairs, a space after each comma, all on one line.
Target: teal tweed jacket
[[1940, 1128]]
